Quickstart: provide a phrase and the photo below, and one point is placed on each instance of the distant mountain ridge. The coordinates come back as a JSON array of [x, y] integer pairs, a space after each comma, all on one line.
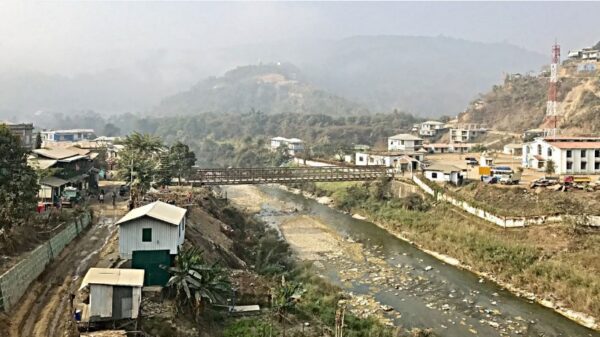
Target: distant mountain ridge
[[427, 76], [269, 88]]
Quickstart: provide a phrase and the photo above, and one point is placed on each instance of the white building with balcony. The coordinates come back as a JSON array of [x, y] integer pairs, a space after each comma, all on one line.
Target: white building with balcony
[[430, 128], [294, 145], [571, 155], [404, 142]]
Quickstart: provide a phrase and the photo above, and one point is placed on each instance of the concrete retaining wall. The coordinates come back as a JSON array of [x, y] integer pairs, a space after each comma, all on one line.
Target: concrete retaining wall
[[15, 281], [503, 221], [402, 189]]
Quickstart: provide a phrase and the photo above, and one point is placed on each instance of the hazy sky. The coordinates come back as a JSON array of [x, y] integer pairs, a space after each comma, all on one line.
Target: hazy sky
[[74, 37]]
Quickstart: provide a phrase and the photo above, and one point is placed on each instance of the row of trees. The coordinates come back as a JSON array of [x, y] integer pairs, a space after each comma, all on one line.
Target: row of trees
[[146, 159]]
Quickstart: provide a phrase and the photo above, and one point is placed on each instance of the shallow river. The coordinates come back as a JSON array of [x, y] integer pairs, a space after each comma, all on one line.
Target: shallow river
[[423, 291]]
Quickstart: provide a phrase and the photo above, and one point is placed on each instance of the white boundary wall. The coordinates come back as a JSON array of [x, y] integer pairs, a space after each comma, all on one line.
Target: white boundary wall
[[15, 281], [502, 221]]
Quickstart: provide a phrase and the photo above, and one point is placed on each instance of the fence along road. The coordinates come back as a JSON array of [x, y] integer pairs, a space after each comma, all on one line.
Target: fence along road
[[286, 175]]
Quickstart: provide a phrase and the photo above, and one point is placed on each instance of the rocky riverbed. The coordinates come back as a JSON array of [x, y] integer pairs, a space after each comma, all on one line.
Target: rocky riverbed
[[393, 280]]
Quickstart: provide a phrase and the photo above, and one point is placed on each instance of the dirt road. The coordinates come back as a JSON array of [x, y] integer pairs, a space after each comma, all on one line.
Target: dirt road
[[45, 310]]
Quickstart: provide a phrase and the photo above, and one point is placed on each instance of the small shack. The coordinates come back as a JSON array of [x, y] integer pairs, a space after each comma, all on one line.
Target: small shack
[[114, 294], [151, 236], [513, 149], [444, 173]]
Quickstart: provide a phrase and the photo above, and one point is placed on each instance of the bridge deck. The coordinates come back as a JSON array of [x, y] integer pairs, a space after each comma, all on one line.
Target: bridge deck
[[286, 175]]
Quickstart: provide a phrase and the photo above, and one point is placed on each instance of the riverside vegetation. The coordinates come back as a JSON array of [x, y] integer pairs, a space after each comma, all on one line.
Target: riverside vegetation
[[270, 257], [269, 260], [558, 262]]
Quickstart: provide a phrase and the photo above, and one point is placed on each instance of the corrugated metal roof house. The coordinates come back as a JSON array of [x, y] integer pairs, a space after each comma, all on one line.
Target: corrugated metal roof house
[[151, 236], [156, 226], [114, 294]]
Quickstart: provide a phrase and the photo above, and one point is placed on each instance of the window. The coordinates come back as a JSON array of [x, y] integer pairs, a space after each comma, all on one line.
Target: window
[[583, 166], [549, 152], [146, 234], [597, 166], [583, 153], [597, 153], [539, 149], [433, 175], [569, 154], [569, 165]]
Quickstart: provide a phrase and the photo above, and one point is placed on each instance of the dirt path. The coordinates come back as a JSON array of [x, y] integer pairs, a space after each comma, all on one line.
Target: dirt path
[[44, 311]]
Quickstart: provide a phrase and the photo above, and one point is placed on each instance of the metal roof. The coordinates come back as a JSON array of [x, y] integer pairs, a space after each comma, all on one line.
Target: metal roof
[[41, 164], [443, 168], [405, 136], [53, 181], [113, 276], [158, 210], [72, 159], [56, 153], [576, 145]]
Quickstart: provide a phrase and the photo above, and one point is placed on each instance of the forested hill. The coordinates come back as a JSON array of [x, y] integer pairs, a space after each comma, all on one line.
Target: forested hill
[[271, 88], [231, 139]]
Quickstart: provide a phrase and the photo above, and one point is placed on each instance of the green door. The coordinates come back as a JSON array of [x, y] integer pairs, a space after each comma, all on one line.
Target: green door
[[150, 261]]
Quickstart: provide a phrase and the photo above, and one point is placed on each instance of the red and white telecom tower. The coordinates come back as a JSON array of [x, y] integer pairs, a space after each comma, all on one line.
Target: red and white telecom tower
[[552, 104]]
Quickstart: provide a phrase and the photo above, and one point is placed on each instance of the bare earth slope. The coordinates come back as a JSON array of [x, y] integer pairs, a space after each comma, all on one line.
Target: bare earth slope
[[520, 103]]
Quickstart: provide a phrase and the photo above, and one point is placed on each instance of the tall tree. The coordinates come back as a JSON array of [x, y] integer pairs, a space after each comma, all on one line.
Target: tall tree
[[181, 160], [111, 130], [38, 140], [550, 167], [139, 160], [18, 181]]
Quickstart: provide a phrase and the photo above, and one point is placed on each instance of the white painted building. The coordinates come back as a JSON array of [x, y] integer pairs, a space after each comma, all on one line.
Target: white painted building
[[114, 294], [466, 133], [396, 159], [294, 145], [513, 149], [154, 227], [448, 147], [71, 135], [404, 142], [430, 128], [444, 173], [571, 155]]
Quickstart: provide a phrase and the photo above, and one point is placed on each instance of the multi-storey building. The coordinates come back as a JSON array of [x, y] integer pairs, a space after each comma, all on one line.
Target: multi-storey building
[[571, 155], [24, 131], [404, 142]]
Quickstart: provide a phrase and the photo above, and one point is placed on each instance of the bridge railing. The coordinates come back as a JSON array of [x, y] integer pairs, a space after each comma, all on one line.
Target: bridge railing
[[265, 175]]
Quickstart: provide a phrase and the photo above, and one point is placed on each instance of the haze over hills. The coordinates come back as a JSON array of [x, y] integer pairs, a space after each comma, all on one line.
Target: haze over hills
[[428, 76], [272, 88]]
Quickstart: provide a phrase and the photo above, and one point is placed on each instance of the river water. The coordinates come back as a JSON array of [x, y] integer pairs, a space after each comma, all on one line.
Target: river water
[[423, 291]]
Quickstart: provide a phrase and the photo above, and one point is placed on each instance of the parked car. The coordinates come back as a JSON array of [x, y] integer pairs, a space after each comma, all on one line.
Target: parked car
[[71, 196], [542, 182], [489, 179], [471, 161], [512, 179]]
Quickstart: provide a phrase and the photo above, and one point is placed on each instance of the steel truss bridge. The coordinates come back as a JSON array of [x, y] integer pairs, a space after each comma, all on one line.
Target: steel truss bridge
[[286, 175]]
